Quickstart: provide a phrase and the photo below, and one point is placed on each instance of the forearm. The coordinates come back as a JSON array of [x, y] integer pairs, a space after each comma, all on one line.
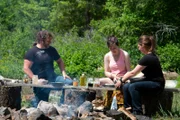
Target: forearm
[[132, 73], [28, 72], [127, 76], [109, 75], [61, 66], [26, 68]]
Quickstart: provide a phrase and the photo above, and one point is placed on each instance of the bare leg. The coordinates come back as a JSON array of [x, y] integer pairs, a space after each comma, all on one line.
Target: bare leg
[[105, 81]]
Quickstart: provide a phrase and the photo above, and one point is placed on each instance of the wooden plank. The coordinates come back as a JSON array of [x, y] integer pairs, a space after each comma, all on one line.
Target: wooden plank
[[127, 113], [67, 87], [29, 85], [51, 86], [90, 88], [172, 89]]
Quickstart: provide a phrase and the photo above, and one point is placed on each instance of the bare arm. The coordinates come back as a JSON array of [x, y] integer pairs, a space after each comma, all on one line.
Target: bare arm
[[62, 68], [107, 71], [26, 68], [127, 61], [130, 74]]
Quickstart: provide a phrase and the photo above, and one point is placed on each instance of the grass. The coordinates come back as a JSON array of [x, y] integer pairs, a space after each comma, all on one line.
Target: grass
[[174, 113], [27, 95]]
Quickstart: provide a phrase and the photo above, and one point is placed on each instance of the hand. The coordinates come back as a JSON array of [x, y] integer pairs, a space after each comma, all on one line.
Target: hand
[[127, 81], [118, 84], [42, 81], [66, 76], [118, 75]]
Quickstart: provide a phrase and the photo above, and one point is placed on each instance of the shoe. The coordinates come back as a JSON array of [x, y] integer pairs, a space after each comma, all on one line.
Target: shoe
[[137, 113]]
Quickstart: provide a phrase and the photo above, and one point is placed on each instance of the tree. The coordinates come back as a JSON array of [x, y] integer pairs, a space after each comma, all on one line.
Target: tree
[[69, 13]]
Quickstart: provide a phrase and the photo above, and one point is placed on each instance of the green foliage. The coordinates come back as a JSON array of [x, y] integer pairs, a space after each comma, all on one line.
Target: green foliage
[[81, 27], [26, 104], [67, 14], [11, 67], [178, 82], [169, 57], [17, 45], [82, 54], [176, 105]]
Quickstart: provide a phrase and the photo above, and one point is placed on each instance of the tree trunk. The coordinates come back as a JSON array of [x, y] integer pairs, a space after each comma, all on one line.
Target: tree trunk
[[10, 97]]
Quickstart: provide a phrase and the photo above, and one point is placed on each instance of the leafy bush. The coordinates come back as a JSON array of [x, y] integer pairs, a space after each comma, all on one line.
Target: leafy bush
[[82, 55], [178, 82], [169, 57], [11, 67]]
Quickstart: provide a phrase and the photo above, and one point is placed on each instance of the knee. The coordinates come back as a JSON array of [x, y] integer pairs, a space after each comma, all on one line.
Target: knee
[[132, 88], [125, 87], [59, 79], [68, 81]]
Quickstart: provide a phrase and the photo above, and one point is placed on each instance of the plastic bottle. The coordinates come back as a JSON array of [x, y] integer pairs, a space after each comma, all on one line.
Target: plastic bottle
[[83, 80], [114, 103]]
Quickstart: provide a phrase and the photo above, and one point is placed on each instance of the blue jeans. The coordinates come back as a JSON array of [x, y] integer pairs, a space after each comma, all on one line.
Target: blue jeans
[[43, 93], [133, 91]]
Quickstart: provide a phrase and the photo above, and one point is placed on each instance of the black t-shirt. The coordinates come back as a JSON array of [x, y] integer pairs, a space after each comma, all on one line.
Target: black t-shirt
[[43, 60], [153, 70]]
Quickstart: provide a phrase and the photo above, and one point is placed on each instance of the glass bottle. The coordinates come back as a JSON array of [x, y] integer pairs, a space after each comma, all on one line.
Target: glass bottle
[[25, 78], [83, 80]]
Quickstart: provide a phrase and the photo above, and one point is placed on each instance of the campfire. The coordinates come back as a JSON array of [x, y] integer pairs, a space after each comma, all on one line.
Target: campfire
[[79, 104], [49, 111]]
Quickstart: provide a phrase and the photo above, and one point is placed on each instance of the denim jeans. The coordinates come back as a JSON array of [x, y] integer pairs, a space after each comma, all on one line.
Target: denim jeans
[[134, 91], [43, 93]]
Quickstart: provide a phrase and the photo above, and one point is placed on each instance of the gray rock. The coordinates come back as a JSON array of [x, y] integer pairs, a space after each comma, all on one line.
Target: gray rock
[[85, 108]]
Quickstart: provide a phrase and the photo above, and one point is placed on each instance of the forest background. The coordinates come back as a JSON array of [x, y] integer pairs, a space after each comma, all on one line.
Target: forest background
[[81, 28]]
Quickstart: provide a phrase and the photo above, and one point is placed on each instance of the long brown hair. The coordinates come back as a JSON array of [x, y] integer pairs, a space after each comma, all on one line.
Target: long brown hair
[[42, 36], [148, 42]]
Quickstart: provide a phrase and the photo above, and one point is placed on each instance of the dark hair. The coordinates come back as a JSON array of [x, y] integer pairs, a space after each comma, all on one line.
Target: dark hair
[[148, 42], [112, 40], [42, 36]]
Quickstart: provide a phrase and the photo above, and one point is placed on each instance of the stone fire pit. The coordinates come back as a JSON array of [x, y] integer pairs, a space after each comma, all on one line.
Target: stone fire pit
[[49, 111]]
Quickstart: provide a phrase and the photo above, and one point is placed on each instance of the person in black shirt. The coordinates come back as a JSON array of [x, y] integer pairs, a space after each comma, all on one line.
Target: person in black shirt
[[39, 61], [153, 81]]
